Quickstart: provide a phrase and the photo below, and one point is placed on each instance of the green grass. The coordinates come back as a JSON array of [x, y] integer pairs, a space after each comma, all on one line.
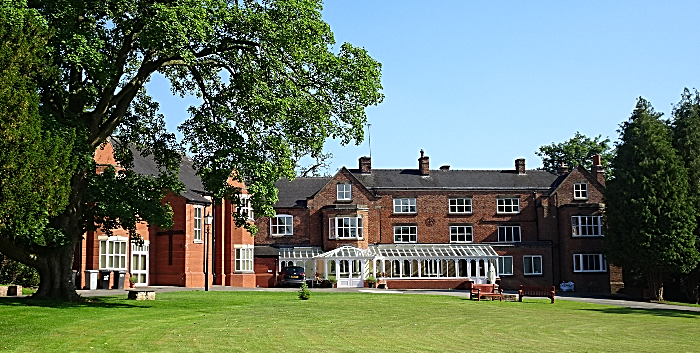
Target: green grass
[[338, 322]]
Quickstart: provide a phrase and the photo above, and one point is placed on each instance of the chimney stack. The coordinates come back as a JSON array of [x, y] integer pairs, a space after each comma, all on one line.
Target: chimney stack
[[520, 166], [423, 164], [563, 169], [597, 170], [365, 165]]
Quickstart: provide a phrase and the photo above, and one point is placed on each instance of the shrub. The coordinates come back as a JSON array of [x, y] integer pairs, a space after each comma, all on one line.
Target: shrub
[[304, 292], [13, 272], [371, 279], [332, 280]]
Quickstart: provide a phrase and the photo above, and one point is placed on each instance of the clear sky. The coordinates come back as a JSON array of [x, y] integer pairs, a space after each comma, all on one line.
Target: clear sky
[[477, 84]]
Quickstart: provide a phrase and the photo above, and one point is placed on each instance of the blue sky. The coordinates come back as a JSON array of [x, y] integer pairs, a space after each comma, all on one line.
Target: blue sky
[[479, 84]]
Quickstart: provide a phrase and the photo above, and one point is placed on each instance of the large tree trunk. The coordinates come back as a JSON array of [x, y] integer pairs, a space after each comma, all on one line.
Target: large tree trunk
[[55, 274], [656, 284]]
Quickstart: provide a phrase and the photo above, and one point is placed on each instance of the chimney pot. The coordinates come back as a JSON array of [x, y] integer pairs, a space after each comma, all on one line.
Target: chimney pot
[[520, 165], [423, 164]]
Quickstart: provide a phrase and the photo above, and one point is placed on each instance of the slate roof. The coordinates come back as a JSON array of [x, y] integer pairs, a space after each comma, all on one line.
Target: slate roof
[[457, 179], [294, 193], [188, 175]]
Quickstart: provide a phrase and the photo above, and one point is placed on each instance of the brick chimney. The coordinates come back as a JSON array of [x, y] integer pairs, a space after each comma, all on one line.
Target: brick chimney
[[365, 165], [520, 166], [597, 170], [423, 164], [563, 169]]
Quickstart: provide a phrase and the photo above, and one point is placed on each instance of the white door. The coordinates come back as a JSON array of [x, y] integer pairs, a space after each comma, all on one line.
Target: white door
[[350, 273], [139, 263]]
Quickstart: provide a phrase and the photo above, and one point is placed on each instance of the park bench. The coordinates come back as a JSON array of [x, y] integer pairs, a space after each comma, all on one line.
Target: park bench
[[532, 291], [485, 290]]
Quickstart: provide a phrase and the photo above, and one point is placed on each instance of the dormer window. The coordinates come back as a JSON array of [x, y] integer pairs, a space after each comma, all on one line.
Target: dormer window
[[344, 191], [580, 191]]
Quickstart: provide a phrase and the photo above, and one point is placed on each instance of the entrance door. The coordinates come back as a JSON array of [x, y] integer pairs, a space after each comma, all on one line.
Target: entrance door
[[350, 273], [139, 263]]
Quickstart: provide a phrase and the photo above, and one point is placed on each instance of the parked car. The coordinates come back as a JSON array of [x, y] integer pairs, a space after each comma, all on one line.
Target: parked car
[[292, 275]]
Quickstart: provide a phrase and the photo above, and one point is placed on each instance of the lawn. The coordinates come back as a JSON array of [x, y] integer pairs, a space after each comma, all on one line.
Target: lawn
[[337, 322]]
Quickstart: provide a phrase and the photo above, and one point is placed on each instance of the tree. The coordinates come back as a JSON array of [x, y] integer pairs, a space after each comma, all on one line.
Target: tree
[[35, 158], [649, 216], [579, 150], [686, 140], [273, 87]]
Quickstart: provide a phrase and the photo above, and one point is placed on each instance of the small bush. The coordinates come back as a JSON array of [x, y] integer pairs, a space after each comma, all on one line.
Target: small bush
[[371, 279], [332, 280], [304, 292], [13, 272]]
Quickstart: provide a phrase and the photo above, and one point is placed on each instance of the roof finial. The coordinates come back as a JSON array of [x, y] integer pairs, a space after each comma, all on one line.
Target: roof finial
[[421, 153]]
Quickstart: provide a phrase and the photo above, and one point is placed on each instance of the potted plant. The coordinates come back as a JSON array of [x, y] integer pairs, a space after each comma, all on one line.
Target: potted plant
[[332, 280], [132, 281], [371, 281]]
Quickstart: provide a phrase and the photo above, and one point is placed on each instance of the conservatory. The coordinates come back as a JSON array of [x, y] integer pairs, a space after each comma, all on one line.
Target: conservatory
[[351, 265]]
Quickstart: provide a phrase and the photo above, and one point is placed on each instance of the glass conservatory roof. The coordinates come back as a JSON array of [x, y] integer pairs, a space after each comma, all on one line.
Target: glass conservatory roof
[[299, 252], [347, 252], [433, 250], [437, 251]]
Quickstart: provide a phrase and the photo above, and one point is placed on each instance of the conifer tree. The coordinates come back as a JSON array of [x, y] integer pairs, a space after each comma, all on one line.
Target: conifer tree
[[686, 140], [649, 216]]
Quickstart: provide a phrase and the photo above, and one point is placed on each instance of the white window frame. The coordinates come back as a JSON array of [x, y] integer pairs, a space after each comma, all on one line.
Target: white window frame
[[245, 208], [345, 228], [505, 269], [466, 231], [405, 205], [113, 251], [344, 192], [286, 227], [244, 258], [503, 234], [531, 259], [597, 260], [198, 223], [507, 205], [591, 225], [402, 231], [465, 207], [581, 191]]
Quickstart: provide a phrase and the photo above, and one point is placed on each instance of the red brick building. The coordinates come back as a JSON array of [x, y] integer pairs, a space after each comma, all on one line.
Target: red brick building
[[197, 248], [423, 228]]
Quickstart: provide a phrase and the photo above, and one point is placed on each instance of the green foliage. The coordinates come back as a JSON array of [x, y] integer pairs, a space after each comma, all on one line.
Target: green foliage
[[304, 292], [579, 150], [13, 272], [371, 279], [273, 84], [35, 164], [649, 216], [332, 280], [686, 139]]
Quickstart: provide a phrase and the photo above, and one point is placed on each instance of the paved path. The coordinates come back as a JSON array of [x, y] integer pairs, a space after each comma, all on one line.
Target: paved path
[[458, 293]]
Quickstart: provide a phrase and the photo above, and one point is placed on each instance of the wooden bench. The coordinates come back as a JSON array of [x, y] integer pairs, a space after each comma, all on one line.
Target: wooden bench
[[485, 290], [531, 291]]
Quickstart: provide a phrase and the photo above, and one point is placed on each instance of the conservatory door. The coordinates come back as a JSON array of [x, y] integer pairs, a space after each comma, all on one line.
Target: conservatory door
[[350, 273]]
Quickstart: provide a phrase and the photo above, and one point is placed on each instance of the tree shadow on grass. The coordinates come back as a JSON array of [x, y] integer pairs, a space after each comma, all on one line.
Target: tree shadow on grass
[[652, 312], [91, 302]]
